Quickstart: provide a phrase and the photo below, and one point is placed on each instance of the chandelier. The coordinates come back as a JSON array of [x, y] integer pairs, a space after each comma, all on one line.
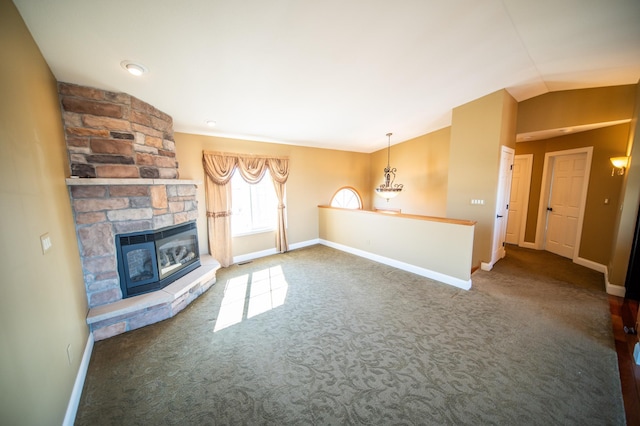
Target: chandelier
[[389, 189]]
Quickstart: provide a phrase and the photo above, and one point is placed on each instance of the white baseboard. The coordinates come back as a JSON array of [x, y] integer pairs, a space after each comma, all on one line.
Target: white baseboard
[[255, 255], [264, 253], [76, 393], [615, 290], [612, 289], [525, 244], [437, 276], [590, 264], [304, 244], [489, 266]]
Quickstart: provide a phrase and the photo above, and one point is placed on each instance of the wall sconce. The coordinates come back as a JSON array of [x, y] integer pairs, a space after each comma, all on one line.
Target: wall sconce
[[620, 164]]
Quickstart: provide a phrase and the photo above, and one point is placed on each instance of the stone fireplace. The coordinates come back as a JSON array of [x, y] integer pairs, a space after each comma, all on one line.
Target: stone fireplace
[[124, 180]]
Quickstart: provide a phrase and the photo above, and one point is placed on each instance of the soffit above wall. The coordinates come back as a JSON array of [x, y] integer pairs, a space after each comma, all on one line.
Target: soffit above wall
[[563, 131]]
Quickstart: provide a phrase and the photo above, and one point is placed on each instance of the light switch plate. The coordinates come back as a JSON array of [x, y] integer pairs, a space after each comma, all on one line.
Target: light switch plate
[[45, 241]]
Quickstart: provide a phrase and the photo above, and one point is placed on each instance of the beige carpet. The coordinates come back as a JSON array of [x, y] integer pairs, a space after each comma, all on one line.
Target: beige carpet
[[317, 336]]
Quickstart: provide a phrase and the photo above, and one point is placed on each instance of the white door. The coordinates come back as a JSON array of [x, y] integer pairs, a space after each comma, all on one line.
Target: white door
[[502, 202], [564, 204], [519, 198]]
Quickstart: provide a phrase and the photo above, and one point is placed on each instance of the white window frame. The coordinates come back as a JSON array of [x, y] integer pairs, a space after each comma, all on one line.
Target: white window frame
[[339, 197], [265, 184]]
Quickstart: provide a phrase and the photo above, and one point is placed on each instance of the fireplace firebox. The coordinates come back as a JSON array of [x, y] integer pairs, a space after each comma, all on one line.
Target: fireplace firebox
[[151, 260]]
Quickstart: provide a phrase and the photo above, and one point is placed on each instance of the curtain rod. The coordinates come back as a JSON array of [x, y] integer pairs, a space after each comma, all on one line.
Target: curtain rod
[[234, 154]]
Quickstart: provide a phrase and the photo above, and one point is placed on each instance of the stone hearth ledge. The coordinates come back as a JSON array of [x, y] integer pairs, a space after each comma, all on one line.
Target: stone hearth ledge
[[129, 181], [135, 312]]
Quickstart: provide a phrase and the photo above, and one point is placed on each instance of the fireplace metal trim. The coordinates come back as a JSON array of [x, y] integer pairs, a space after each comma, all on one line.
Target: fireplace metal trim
[[149, 240]]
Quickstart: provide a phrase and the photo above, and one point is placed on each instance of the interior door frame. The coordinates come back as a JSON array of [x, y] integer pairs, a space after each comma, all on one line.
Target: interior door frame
[[547, 178], [524, 211], [497, 247]]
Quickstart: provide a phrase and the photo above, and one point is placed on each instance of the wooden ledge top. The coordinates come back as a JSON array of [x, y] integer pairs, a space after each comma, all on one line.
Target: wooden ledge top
[[463, 222]]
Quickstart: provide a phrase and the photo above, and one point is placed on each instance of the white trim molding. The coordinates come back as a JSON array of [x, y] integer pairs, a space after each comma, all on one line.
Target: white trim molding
[[76, 393], [255, 255], [590, 264], [264, 253], [486, 266], [526, 244], [613, 289], [525, 196], [304, 244], [437, 276]]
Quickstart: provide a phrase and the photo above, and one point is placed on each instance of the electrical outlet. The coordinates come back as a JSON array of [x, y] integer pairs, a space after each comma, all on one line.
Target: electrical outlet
[[45, 242]]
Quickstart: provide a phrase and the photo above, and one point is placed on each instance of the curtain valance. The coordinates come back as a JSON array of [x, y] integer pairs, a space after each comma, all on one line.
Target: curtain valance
[[219, 168]]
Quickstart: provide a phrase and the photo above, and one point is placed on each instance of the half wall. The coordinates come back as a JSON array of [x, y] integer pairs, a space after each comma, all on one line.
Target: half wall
[[436, 248]]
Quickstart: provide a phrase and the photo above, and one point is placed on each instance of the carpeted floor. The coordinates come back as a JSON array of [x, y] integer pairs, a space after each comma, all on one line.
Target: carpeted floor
[[317, 336]]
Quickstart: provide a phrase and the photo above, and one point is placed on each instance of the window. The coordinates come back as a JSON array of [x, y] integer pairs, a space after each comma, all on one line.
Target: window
[[253, 206], [347, 198]]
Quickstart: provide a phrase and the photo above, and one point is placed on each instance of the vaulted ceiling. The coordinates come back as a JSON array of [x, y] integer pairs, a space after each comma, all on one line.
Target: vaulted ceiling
[[334, 73]]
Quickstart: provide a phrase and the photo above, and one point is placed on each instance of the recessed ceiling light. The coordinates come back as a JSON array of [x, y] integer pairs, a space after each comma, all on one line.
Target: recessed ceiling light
[[134, 68], [211, 123]]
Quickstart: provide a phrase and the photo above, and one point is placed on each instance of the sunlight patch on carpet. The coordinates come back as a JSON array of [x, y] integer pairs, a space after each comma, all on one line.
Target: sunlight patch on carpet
[[250, 295]]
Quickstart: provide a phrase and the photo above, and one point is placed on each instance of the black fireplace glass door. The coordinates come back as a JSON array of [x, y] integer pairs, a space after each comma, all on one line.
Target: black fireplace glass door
[[176, 252], [140, 265]]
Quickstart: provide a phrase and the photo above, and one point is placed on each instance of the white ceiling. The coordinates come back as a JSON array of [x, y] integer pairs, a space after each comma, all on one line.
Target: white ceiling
[[334, 73]]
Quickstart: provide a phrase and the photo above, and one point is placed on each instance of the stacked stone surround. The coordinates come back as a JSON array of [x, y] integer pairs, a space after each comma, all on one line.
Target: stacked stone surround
[[106, 208], [124, 178], [115, 135]]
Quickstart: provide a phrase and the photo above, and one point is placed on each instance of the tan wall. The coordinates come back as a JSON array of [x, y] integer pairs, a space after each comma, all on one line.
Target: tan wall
[[599, 218], [43, 304], [443, 247], [423, 165], [576, 107], [315, 175], [628, 212], [478, 131]]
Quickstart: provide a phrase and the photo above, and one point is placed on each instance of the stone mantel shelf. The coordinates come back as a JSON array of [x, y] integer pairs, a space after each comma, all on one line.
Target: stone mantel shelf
[[129, 181]]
